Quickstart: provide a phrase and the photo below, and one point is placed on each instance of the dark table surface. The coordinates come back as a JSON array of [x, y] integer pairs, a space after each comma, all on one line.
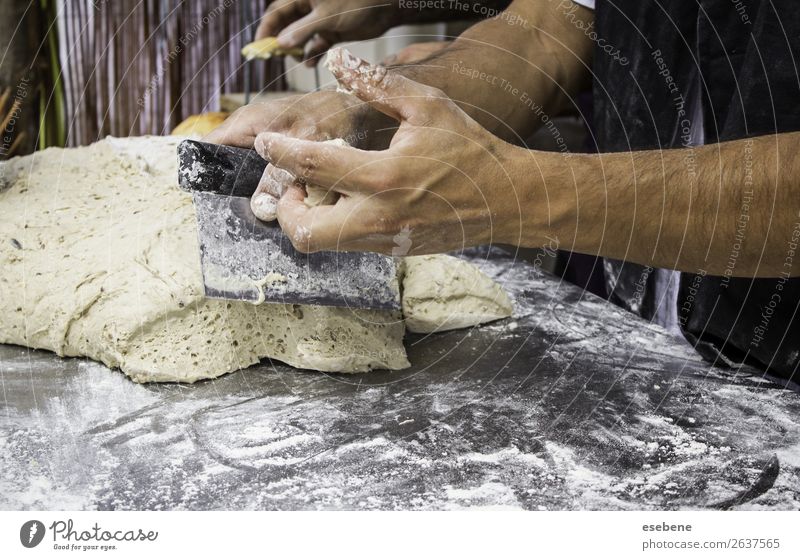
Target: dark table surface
[[571, 404]]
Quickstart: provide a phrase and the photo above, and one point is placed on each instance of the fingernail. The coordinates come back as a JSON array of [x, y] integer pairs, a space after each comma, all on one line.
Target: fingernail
[[348, 69]]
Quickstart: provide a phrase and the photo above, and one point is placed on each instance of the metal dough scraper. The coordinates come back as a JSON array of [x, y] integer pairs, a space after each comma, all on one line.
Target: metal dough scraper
[[246, 259]]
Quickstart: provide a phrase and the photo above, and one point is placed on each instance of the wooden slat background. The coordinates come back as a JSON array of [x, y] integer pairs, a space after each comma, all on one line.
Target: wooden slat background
[[134, 67]]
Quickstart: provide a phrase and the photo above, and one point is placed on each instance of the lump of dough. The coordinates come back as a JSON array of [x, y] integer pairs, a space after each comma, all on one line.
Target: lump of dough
[[99, 257], [442, 293], [264, 206]]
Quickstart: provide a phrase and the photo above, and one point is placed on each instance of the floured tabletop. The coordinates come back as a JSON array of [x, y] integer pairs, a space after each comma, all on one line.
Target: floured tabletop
[[571, 404]]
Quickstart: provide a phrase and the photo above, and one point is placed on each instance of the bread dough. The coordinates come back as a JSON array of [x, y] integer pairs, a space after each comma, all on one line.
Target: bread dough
[[99, 257], [319, 196], [442, 293]]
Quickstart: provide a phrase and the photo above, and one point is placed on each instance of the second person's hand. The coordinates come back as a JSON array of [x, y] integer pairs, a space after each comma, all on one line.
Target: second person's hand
[[317, 25]]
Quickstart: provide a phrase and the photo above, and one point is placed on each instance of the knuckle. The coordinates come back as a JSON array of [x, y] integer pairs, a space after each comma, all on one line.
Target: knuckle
[[301, 239], [307, 163], [434, 92], [304, 130], [245, 112]]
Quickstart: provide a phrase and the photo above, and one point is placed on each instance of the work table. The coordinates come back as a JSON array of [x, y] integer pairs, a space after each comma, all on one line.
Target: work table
[[571, 404]]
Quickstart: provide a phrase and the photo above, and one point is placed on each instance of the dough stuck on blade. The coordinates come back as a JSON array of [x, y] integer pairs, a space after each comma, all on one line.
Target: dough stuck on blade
[[442, 293], [110, 269]]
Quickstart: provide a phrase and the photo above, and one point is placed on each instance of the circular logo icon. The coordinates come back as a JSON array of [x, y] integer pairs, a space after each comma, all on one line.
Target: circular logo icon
[[31, 534]]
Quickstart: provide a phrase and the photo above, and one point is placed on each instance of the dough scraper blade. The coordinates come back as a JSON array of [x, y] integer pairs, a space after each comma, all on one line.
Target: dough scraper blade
[[246, 259]]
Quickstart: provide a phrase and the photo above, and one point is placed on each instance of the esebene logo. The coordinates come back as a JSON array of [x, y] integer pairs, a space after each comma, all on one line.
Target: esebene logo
[[65, 536], [31, 533]]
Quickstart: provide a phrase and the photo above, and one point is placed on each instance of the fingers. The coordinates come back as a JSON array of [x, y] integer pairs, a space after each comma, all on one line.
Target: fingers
[[243, 125], [415, 52], [388, 92], [274, 183], [310, 229], [278, 15], [342, 168], [237, 130], [344, 226], [299, 32]]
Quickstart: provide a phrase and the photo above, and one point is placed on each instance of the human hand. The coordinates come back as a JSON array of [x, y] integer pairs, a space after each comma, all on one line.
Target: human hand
[[416, 52], [444, 183], [320, 24], [320, 116]]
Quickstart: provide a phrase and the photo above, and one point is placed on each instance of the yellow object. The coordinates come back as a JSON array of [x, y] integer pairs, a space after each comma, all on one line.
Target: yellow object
[[267, 48], [199, 124]]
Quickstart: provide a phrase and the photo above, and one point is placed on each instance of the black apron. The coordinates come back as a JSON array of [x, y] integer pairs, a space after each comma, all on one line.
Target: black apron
[[744, 60]]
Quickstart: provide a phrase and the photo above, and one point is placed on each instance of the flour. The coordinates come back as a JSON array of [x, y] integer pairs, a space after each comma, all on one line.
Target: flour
[[442, 293], [264, 203], [99, 257], [106, 265]]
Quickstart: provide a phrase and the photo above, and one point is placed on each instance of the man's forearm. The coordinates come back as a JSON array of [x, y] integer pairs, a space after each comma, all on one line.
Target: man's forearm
[[730, 209], [508, 71]]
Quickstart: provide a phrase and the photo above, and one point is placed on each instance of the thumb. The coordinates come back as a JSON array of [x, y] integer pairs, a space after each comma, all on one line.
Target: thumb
[[299, 32], [390, 93]]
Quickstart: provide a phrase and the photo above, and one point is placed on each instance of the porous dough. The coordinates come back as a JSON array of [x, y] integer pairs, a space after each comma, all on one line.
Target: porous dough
[[442, 293], [99, 257]]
